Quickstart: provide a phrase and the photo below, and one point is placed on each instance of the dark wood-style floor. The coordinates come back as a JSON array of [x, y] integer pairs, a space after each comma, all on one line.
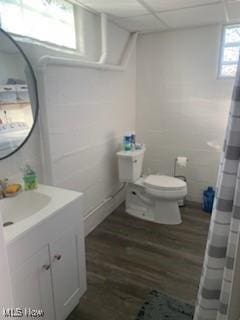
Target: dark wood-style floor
[[127, 257]]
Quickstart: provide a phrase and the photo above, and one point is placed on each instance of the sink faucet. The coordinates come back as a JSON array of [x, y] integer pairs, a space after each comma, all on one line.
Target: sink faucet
[[3, 186]]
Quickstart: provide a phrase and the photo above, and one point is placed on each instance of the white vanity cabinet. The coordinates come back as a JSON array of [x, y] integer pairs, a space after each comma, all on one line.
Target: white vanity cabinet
[[32, 285], [65, 276], [47, 264]]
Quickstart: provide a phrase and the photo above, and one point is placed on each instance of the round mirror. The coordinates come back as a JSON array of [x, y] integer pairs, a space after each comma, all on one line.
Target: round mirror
[[18, 96]]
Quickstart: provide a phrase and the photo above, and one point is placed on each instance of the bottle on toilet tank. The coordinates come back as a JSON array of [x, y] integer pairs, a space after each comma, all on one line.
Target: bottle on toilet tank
[[133, 138], [129, 141]]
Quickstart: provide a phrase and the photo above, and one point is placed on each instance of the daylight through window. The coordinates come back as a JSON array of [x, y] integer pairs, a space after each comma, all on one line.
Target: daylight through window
[[230, 51], [49, 21]]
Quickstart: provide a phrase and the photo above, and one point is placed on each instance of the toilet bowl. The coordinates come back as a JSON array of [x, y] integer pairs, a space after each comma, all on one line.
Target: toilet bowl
[[154, 197], [166, 191], [165, 187]]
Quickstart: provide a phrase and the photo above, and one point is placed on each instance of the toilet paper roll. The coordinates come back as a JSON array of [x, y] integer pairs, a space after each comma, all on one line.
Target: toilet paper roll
[[182, 161]]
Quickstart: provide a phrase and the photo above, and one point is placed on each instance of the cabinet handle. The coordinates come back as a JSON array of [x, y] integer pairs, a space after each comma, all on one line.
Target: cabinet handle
[[46, 266], [57, 257]]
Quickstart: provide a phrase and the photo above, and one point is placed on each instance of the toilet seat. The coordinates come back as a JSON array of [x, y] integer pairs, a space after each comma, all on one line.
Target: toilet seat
[[164, 183]]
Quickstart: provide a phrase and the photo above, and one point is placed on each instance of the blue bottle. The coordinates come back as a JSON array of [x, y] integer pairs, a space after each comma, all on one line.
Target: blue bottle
[[127, 142], [208, 198]]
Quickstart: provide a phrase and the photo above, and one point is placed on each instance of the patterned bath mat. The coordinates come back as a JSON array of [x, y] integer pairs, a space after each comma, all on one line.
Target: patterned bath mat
[[159, 306]]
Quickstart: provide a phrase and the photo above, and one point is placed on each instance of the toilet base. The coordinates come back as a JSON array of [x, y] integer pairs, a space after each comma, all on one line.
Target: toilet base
[[141, 205], [167, 212]]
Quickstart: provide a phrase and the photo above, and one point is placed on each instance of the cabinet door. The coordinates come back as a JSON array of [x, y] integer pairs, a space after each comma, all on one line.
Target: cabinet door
[[65, 274], [32, 287]]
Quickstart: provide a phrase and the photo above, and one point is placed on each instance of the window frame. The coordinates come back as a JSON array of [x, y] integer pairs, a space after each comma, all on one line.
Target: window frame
[[222, 47], [51, 45]]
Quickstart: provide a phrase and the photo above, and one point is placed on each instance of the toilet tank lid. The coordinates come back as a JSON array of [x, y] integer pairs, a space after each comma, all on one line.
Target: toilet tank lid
[[130, 154], [164, 182]]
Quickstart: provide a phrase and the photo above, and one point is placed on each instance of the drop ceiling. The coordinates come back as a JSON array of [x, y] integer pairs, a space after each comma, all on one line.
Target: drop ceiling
[[159, 15]]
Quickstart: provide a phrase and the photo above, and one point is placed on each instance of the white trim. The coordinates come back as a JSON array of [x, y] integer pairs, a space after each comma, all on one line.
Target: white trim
[[225, 63], [44, 127], [51, 60], [45, 44], [232, 45], [104, 209]]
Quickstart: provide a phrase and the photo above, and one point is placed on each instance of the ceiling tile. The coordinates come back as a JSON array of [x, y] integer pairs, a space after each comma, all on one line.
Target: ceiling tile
[[165, 5], [118, 8], [141, 23], [195, 16], [234, 11]]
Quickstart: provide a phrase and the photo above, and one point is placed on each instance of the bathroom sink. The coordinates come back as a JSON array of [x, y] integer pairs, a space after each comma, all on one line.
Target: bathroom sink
[[22, 206], [27, 209]]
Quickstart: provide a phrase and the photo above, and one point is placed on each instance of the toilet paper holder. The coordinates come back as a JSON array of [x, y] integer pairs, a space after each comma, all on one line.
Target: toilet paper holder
[[182, 161]]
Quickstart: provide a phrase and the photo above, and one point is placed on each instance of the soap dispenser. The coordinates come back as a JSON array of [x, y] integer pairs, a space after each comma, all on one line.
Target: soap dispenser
[[29, 178]]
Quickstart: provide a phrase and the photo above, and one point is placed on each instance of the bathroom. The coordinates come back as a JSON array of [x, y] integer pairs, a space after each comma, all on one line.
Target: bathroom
[[159, 69]]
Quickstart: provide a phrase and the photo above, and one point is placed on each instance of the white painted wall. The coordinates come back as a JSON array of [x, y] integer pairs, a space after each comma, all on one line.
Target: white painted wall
[[10, 67], [182, 107], [90, 24], [88, 111]]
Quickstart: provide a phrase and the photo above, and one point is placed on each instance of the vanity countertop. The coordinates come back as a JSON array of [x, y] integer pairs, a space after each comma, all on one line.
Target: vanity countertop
[[30, 208]]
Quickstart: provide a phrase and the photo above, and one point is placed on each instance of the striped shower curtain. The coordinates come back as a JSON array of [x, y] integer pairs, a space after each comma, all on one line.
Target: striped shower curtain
[[217, 275]]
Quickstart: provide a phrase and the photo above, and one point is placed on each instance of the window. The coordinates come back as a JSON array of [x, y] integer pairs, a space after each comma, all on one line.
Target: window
[[230, 51], [49, 21]]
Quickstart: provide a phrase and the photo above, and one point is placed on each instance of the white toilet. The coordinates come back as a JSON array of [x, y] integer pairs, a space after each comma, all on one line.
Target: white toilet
[[154, 197]]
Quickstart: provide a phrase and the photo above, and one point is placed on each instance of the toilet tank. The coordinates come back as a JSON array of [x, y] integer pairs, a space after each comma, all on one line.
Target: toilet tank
[[130, 165]]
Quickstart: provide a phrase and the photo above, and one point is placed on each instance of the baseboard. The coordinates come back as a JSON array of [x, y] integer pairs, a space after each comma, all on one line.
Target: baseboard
[[92, 220], [193, 204]]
